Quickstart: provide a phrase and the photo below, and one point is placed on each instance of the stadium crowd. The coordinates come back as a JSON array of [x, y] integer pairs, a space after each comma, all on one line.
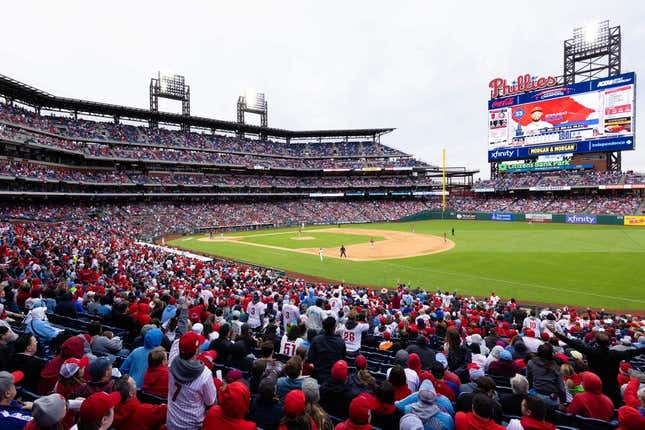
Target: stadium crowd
[[586, 178], [108, 140], [98, 331]]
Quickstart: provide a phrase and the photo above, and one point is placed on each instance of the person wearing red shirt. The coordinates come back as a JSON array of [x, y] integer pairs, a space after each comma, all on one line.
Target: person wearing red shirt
[[131, 414], [533, 415], [155, 380], [233, 404], [592, 403], [480, 418]]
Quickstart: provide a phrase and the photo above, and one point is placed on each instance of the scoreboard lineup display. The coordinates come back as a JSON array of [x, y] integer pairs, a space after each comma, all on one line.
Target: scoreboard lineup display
[[592, 116]]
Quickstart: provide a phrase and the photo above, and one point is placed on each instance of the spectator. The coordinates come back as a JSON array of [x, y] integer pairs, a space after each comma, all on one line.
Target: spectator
[[480, 417], [100, 371], [397, 379], [266, 410], [385, 414], [603, 361], [103, 343], [13, 415], [222, 345], [24, 359], [293, 377], [512, 403], [362, 380], [97, 411], [411, 422], [504, 366], [326, 349], [630, 419], [425, 353], [442, 386], [71, 376], [359, 415], [191, 386], [428, 411], [228, 414], [4, 349], [136, 362], [484, 385], [48, 413], [592, 403], [295, 417], [131, 414], [155, 380], [533, 416], [37, 324], [65, 306], [312, 406], [545, 378], [271, 364], [458, 354], [335, 393], [411, 377], [71, 348], [635, 395]]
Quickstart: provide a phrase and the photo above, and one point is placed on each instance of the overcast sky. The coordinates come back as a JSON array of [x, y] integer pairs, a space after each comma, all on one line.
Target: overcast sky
[[420, 66]]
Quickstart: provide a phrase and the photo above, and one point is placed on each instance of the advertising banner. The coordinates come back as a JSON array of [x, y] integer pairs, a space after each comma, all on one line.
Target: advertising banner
[[567, 118], [634, 220], [469, 217], [501, 217], [581, 219], [538, 217]]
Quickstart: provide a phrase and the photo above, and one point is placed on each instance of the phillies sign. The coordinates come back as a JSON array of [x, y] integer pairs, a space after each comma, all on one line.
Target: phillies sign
[[523, 83]]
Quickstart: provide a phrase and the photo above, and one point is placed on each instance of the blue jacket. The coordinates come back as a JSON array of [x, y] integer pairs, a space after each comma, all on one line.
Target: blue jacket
[[42, 330], [442, 420], [136, 363], [286, 384], [13, 417], [168, 313]]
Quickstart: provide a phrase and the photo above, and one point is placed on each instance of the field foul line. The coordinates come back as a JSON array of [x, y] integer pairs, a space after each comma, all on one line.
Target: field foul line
[[187, 238], [524, 284]]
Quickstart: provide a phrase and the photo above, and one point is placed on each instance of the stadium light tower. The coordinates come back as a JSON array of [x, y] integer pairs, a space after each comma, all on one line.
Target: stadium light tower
[[253, 102], [169, 86], [594, 52]]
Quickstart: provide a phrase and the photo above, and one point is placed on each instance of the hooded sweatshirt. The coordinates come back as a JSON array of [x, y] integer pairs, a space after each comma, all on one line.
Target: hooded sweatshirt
[[470, 421], [134, 415], [72, 347], [630, 419], [428, 411], [228, 414], [592, 403], [137, 362]]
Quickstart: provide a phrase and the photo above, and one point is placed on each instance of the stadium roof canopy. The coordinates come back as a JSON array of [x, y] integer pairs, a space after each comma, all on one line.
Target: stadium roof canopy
[[31, 96]]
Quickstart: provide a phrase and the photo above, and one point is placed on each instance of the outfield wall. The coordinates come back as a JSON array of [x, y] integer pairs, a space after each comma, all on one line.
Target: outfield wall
[[529, 217]]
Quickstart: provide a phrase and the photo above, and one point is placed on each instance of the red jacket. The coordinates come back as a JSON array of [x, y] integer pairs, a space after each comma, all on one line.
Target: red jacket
[[631, 393], [592, 403], [72, 347], [349, 425], [630, 419], [228, 414], [469, 421], [134, 415], [155, 381]]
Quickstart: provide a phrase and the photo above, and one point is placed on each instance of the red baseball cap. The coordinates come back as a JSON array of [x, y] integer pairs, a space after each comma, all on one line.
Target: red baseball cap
[[97, 405], [189, 343], [294, 403]]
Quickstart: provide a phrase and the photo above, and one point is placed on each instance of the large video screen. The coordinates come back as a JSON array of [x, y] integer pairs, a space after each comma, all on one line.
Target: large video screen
[[593, 116]]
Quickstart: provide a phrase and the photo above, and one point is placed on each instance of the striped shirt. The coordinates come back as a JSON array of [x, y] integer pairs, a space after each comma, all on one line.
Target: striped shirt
[[187, 402]]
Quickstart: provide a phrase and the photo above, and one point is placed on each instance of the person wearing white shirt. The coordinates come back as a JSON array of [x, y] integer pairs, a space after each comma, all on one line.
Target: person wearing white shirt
[[290, 314], [532, 322], [352, 334], [315, 316], [255, 310]]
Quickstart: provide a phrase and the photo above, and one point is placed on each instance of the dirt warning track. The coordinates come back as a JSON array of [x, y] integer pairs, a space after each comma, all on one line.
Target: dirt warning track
[[396, 244]]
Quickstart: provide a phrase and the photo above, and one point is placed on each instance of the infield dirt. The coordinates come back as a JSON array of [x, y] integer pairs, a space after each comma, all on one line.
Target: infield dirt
[[395, 244]]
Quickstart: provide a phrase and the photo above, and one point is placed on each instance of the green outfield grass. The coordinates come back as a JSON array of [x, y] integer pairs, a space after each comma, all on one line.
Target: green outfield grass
[[581, 265], [290, 239]]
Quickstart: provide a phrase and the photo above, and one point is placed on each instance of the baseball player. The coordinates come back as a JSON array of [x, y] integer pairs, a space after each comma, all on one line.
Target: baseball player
[[343, 251], [321, 253]]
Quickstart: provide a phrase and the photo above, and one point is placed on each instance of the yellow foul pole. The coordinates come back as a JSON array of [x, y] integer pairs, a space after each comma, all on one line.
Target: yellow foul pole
[[443, 183]]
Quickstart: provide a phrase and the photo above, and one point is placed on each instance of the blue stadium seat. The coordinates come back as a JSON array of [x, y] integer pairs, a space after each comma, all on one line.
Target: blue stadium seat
[[594, 424]]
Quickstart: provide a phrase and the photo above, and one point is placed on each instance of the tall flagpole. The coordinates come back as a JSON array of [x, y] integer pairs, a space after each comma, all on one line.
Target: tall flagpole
[[443, 183]]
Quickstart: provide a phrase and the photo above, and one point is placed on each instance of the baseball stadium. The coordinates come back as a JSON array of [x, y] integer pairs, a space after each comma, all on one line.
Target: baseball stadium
[[323, 278]]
